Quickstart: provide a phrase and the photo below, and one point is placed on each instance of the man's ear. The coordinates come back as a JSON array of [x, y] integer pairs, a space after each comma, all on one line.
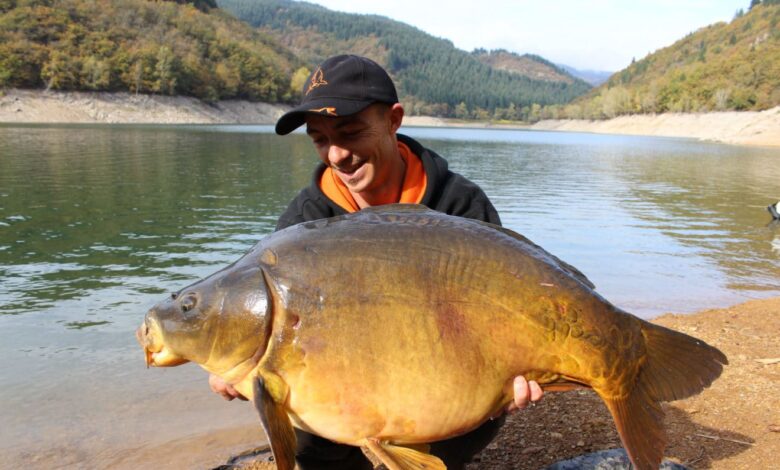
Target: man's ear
[[396, 116]]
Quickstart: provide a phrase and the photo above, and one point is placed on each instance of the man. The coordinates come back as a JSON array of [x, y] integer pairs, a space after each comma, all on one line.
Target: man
[[351, 112]]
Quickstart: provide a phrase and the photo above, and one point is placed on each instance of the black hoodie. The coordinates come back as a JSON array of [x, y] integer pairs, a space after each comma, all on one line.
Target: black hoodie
[[446, 192]]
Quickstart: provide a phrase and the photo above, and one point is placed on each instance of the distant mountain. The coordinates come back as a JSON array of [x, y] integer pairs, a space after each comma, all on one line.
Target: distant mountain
[[527, 65], [594, 77], [433, 77], [174, 48], [724, 66]]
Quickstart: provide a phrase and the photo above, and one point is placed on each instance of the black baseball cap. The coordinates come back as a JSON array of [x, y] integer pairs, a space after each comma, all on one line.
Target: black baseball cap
[[340, 86]]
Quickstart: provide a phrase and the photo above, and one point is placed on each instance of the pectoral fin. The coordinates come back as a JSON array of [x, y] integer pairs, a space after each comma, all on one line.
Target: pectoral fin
[[404, 458], [276, 425]]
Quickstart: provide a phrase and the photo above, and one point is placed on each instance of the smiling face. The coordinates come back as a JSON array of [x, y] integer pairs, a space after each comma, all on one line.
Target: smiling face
[[362, 151]]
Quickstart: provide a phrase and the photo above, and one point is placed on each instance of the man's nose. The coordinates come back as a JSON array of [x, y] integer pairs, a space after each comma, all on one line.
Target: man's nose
[[337, 154]]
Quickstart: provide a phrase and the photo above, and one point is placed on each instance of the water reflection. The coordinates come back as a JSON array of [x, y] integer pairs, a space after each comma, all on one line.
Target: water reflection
[[130, 202]]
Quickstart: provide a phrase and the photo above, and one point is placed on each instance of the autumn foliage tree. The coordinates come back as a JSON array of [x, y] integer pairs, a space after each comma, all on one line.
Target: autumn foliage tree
[[171, 48]]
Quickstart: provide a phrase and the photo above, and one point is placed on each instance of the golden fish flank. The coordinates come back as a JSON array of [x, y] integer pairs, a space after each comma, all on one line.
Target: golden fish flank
[[414, 332]]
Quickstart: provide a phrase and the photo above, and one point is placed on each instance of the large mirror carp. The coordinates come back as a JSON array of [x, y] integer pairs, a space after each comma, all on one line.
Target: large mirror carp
[[397, 325]]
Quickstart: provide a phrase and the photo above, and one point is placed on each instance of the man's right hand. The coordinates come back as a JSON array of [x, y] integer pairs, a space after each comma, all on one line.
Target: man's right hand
[[223, 389]]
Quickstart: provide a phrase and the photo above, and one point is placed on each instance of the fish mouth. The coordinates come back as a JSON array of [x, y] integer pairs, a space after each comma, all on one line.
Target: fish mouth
[[156, 353]]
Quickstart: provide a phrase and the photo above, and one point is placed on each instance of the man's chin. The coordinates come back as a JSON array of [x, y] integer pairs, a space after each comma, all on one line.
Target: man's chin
[[356, 182]]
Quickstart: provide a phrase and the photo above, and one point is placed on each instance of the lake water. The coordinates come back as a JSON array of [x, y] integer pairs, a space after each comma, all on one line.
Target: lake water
[[98, 223]]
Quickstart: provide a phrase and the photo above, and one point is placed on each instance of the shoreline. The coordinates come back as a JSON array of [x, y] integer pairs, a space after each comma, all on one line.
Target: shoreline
[[749, 128], [76, 107]]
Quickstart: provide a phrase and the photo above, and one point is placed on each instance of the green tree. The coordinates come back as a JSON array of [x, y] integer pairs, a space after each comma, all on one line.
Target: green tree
[[95, 73], [61, 71], [298, 80], [462, 111], [165, 70]]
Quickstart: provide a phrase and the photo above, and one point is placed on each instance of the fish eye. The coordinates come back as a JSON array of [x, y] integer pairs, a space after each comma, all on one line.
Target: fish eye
[[174, 295], [188, 303]]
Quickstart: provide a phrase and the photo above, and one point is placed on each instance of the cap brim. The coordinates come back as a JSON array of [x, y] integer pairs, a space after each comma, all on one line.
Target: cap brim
[[328, 107]]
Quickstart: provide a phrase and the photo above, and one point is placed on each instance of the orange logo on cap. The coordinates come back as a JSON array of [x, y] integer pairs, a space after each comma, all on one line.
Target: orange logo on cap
[[329, 110], [317, 79]]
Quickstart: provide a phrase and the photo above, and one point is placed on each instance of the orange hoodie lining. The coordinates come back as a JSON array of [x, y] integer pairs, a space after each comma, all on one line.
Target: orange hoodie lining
[[412, 192]]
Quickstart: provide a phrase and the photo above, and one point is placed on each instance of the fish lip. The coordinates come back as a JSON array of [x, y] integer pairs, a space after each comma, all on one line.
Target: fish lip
[[164, 358], [141, 335], [155, 352]]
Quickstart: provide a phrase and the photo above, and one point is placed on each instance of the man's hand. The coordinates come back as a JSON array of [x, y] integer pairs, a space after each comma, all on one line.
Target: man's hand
[[525, 392], [226, 390]]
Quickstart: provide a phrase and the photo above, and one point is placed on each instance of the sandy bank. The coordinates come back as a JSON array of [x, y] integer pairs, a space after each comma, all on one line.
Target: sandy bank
[[28, 106], [742, 128]]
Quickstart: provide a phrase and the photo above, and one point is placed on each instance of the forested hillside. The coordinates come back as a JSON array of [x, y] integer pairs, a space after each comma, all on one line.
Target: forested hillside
[[527, 65], [724, 66], [433, 77], [173, 48]]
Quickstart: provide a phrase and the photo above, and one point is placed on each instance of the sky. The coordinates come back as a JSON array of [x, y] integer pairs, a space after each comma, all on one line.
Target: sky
[[588, 35]]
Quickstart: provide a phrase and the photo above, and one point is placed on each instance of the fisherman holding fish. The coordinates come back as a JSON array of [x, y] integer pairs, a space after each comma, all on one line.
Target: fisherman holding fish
[[352, 115], [398, 325]]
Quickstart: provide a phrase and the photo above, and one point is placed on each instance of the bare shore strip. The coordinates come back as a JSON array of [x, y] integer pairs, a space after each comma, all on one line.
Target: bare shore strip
[[36, 106], [752, 128], [761, 128]]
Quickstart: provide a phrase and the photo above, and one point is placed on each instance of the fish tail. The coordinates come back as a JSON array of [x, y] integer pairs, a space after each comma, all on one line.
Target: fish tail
[[677, 366]]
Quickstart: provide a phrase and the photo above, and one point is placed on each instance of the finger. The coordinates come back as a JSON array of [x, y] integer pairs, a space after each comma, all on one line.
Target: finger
[[522, 392], [234, 393], [536, 391]]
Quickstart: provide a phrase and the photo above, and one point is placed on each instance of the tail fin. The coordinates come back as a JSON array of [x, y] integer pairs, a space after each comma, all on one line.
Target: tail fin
[[677, 366]]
